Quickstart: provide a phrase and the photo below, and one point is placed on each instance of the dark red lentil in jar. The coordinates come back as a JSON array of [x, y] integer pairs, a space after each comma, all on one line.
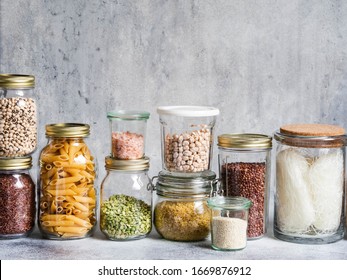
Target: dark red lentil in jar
[[17, 198], [244, 167]]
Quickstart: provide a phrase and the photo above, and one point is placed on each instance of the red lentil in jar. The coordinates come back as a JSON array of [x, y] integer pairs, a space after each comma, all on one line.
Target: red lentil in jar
[[244, 167], [17, 198]]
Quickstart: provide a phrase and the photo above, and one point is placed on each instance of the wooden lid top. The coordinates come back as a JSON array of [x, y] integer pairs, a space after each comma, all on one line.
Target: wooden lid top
[[312, 130]]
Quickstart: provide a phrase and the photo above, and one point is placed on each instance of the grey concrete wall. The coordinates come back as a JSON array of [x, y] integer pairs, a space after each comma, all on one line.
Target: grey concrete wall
[[262, 63]]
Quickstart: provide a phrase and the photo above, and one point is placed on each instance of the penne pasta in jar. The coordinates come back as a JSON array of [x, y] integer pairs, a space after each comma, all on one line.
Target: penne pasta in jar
[[67, 184]]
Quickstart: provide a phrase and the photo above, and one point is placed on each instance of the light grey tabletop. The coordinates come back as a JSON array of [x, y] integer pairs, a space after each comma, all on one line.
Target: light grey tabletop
[[154, 247]]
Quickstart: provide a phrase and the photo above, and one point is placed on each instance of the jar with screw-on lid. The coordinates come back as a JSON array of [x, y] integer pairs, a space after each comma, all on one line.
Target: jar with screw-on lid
[[180, 208], [187, 138], [126, 199], [18, 115], [244, 167], [128, 133], [67, 195], [17, 197], [310, 183]]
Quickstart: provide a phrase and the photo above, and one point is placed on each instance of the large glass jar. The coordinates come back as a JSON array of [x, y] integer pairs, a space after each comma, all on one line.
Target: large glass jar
[[67, 199], [244, 168], [126, 200], [18, 115], [310, 176], [181, 212], [128, 133], [17, 198], [187, 137]]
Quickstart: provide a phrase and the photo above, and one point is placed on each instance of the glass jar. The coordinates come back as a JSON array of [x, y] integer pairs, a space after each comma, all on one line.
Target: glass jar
[[128, 133], [18, 115], [126, 200], [17, 198], [244, 168], [229, 218], [310, 175], [187, 137], [181, 212], [67, 199]]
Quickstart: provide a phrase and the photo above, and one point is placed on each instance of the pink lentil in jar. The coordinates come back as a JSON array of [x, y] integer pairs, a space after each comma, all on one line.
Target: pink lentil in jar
[[127, 145]]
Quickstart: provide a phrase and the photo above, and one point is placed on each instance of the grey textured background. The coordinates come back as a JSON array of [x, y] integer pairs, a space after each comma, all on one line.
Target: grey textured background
[[262, 63]]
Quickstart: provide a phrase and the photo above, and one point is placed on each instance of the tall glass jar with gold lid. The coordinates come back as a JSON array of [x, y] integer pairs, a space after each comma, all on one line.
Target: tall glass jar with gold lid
[[244, 167], [18, 115], [126, 199], [67, 200]]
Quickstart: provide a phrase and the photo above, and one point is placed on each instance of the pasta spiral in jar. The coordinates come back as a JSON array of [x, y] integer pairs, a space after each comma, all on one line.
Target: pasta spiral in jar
[[67, 201]]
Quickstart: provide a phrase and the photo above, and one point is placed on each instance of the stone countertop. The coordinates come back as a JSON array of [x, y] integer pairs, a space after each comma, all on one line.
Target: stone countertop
[[155, 248]]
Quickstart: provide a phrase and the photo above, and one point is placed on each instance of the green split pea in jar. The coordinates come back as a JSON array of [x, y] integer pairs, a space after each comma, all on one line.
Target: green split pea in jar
[[181, 212], [125, 208]]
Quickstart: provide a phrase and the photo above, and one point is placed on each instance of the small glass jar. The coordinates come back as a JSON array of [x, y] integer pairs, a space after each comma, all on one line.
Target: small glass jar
[[229, 218], [18, 115], [17, 198], [128, 133], [181, 212], [67, 197], [187, 137], [310, 176], [244, 168], [126, 200]]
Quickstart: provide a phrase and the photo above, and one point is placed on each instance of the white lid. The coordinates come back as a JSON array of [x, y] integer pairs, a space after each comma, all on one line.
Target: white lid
[[188, 111]]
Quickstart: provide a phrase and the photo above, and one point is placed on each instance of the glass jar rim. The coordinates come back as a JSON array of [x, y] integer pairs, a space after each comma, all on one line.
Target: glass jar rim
[[128, 115], [185, 185], [311, 141], [229, 203], [188, 111]]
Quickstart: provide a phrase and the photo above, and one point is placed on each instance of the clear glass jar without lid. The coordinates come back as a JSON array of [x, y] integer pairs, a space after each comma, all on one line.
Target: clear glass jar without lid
[[128, 133], [18, 115], [67, 200], [244, 168], [17, 198], [229, 218], [126, 200], [310, 176], [180, 208]]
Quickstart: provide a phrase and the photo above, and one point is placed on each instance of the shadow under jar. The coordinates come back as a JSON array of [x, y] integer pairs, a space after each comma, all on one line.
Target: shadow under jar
[[67, 196], [244, 168], [180, 208], [17, 198], [310, 179]]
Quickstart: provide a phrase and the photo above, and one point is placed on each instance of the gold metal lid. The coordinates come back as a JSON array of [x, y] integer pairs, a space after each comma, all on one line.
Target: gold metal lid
[[245, 141], [15, 163], [16, 81], [127, 165], [69, 130]]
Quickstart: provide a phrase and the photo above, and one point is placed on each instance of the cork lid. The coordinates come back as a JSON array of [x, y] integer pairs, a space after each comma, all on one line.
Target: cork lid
[[311, 135], [312, 130]]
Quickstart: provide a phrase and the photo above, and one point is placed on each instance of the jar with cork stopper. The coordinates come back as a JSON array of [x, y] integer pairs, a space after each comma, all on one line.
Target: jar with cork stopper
[[310, 176]]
